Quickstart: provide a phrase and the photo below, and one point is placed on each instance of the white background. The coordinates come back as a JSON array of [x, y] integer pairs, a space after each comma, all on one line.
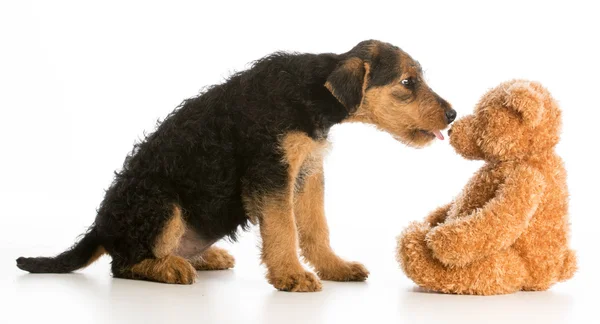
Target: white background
[[81, 81]]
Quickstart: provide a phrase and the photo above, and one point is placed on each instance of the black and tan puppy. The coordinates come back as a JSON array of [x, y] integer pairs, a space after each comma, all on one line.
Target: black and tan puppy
[[250, 150]]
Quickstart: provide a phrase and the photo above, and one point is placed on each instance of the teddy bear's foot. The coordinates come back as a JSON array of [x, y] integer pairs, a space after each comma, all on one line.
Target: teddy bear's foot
[[501, 274], [545, 279], [541, 287]]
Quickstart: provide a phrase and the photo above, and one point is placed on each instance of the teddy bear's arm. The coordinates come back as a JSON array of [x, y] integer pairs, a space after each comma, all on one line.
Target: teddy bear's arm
[[438, 216], [494, 227]]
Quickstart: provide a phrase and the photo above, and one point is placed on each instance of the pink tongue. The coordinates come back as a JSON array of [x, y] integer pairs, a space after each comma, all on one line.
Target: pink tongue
[[438, 134]]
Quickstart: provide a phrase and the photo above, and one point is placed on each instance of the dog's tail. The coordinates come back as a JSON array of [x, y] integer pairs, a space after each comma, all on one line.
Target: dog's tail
[[82, 254]]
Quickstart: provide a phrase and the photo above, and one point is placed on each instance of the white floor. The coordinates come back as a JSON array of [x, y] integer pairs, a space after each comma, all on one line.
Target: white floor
[[242, 295]]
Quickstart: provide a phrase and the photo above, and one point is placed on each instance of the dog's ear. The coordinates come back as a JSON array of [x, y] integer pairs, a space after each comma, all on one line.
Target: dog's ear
[[347, 83]]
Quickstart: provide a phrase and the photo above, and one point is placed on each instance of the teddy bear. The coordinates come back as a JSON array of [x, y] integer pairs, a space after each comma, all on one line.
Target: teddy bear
[[508, 230]]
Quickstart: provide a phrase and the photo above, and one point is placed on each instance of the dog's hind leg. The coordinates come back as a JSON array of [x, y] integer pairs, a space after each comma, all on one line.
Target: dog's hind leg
[[314, 233], [165, 266], [213, 258], [202, 254]]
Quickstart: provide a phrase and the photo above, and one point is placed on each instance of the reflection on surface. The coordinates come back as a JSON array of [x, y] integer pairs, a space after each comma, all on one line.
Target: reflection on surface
[[239, 297], [536, 307]]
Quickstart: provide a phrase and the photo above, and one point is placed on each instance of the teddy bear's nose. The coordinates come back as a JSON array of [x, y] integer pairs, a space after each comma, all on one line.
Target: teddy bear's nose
[[450, 115]]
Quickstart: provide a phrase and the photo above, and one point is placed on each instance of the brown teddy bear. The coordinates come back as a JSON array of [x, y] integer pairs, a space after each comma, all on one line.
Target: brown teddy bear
[[508, 229]]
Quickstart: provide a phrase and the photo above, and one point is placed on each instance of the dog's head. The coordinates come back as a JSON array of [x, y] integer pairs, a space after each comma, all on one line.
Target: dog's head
[[382, 85], [517, 119]]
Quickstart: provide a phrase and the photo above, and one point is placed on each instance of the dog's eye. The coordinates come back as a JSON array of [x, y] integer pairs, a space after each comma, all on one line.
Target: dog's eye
[[408, 83]]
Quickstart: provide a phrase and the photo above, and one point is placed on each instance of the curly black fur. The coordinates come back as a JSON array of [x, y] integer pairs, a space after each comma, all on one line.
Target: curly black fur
[[210, 151]]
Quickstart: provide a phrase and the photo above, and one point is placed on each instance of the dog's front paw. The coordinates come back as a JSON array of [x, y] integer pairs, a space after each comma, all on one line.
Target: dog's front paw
[[296, 282], [345, 271]]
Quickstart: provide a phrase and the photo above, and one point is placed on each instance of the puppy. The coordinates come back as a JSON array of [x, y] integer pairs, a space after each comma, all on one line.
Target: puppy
[[250, 150]]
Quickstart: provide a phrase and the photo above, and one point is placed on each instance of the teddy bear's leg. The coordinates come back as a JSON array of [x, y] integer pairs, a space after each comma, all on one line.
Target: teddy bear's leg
[[494, 227], [545, 272], [501, 273], [414, 257]]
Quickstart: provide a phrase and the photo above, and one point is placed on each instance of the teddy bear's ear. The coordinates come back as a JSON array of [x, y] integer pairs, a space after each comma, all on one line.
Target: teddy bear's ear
[[526, 98]]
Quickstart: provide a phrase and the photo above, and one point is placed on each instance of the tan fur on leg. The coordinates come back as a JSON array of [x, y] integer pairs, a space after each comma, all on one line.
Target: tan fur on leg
[[166, 267], [170, 269], [277, 224], [213, 258], [168, 240], [314, 233], [279, 248]]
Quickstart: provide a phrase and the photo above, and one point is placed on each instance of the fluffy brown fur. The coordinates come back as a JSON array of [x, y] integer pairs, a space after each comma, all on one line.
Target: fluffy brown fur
[[508, 229]]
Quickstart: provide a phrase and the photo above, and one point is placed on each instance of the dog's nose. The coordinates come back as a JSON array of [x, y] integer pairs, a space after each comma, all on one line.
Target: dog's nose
[[450, 115]]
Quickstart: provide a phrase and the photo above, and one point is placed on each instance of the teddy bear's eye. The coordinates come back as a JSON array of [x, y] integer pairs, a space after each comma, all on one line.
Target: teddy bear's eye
[[408, 83]]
